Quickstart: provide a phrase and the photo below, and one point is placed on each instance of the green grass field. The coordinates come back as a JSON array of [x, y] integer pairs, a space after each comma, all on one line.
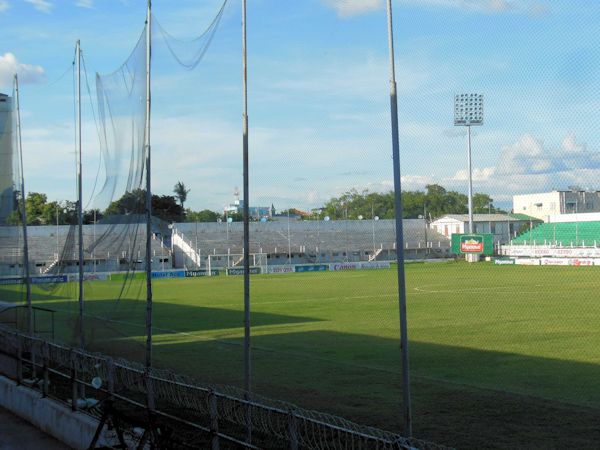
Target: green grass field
[[501, 356]]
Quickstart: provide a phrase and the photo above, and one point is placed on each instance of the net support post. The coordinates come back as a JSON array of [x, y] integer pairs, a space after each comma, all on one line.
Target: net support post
[[214, 420], [19, 361], [45, 372], [292, 429], [73, 380]]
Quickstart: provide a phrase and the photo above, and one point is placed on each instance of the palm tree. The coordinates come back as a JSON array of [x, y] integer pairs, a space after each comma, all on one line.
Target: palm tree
[[181, 193]]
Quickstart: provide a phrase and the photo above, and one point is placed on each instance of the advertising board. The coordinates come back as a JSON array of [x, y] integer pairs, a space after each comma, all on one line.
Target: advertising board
[[49, 279], [504, 261], [169, 274], [311, 268], [555, 261], [201, 273], [240, 271], [12, 280], [280, 269], [473, 243], [527, 261]]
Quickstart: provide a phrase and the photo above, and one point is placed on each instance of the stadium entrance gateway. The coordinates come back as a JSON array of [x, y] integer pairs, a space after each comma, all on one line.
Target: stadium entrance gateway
[[473, 244]]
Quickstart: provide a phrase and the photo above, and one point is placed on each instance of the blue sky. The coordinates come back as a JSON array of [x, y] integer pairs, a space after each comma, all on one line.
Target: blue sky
[[318, 93]]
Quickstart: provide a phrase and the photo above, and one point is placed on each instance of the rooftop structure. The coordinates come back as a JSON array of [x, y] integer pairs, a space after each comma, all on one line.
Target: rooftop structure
[[546, 204]]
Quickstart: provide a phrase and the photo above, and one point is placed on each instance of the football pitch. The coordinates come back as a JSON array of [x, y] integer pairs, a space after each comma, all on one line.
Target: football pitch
[[500, 356]]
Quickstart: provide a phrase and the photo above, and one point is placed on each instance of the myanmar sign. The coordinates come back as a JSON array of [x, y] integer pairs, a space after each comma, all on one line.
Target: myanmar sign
[[473, 243]]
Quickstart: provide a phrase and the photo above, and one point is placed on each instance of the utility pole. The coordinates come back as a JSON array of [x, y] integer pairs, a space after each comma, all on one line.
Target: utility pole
[[406, 400]]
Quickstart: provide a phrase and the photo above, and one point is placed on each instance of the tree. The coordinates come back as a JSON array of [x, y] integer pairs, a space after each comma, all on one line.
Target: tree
[[181, 193], [206, 215], [435, 201], [134, 202]]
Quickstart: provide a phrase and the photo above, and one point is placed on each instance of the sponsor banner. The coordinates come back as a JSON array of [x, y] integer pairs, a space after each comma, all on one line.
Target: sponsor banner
[[311, 268], [473, 243], [201, 273], [541, 252], [527, 261], [375, 265], [504, 262], [280, 269], [344, 266], [582, 262], [89, 277], [13, 280], [169, 274], [240, 271], [555, 261], [49, 279]]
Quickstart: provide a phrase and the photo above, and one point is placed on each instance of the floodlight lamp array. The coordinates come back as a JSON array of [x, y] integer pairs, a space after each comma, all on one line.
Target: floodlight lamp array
[[468, 109]]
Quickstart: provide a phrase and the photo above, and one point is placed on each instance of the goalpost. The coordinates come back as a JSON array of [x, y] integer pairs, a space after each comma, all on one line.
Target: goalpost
[[235, 261]]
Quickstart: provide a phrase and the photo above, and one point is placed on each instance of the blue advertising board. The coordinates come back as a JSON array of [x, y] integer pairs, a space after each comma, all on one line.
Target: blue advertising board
[[169, 274], [13, 280], [49, 279], [312, 268]]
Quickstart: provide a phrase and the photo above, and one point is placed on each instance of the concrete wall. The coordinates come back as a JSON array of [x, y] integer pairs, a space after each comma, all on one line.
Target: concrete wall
[[75, 429]]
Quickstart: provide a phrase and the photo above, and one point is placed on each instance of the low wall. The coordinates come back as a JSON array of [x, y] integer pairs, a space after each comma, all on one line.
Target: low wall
[[75, 429]]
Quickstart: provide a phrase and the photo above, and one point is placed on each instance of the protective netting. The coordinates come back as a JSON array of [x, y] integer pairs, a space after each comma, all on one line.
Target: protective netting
[[503, 352], [12, 256], [275, 424]]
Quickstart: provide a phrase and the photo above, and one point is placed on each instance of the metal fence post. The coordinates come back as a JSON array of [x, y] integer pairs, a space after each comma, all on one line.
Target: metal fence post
[[45, 361], [214, 420], [293, 430], [149, 390], [19, 360], [110, 367], [73, 381]]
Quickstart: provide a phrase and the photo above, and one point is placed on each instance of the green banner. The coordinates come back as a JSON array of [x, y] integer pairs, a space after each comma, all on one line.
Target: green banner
[[481, 244]]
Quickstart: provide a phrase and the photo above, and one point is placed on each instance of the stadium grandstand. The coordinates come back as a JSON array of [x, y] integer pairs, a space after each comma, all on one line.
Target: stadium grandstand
[[573, 234], [556, 243], [305, 242], [54, 250]]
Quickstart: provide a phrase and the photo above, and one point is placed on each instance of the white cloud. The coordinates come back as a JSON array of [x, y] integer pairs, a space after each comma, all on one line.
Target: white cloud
[[349, 8], [486, 6], [528, 156], [4, 5], [44, 6], [9, 66], [528, 166], [85, 3], [478, 174]]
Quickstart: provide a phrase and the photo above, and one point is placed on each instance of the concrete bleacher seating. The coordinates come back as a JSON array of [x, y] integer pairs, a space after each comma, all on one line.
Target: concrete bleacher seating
[[108, 247], [579, 234], [316, 241]]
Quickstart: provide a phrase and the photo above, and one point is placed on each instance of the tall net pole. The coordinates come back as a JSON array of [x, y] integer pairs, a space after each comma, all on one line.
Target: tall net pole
[[247, 360], [79, 194], [406, 407], [23, 214], [148, 194]]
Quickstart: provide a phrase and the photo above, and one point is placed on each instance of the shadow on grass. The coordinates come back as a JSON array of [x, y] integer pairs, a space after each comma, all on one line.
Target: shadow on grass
[[463, 397]]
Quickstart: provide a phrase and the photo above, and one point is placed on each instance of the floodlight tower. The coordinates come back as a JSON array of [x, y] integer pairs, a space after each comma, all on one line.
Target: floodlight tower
[[468, 112]]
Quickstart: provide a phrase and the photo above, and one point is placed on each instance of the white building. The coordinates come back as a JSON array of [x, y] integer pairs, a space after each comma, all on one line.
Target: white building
[[546, 204], [503, 226]]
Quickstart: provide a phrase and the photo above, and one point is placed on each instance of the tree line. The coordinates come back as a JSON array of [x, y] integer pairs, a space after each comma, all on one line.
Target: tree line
[[434, 202]]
